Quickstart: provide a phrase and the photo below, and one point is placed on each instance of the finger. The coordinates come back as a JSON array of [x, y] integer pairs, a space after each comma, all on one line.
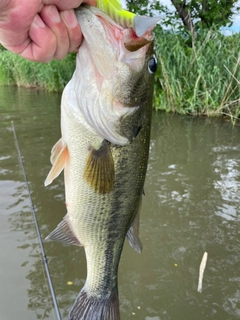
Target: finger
[[40, 35], [70, 4], [51, 17], [73, 28], [15, 22]]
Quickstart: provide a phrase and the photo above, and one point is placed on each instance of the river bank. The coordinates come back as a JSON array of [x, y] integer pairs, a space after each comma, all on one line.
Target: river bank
[[199, 77]]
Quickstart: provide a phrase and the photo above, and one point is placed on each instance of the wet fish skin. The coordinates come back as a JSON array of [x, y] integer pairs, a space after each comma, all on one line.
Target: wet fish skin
[[102, 211]]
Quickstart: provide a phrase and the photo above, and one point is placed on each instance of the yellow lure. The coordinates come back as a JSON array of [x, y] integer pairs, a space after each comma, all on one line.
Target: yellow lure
[[114, 9]]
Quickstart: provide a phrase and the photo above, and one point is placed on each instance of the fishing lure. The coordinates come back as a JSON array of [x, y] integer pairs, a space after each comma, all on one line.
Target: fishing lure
[[125, 18]]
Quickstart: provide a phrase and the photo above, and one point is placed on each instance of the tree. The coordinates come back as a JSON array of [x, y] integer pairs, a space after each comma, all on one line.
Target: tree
[[194, 14], [144, 7], [205, 13]]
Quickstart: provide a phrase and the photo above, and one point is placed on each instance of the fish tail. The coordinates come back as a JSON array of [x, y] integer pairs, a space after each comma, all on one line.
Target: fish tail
[[89, 307]]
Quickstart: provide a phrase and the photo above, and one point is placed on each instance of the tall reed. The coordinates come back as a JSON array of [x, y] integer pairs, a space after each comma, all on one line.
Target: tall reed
[[193, 77], [201, 77]]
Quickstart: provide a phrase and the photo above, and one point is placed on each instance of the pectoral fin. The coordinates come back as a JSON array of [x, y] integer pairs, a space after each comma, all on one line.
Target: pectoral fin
[[133, 232], [63, 233], [58, 159], [99, 169]]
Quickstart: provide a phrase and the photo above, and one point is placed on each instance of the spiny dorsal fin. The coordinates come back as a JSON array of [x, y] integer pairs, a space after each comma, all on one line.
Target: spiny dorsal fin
[[133, 232], [58, 159], [99, 169], [63, 233]]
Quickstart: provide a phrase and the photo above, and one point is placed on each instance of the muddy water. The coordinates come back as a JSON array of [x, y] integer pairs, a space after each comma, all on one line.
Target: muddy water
[[191, 206]]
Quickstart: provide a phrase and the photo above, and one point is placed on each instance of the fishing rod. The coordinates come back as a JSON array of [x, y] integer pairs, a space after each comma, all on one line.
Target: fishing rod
[[44, 258]]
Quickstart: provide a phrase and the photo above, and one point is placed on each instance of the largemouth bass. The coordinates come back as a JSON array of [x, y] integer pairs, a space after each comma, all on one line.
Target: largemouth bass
[[105, 124]]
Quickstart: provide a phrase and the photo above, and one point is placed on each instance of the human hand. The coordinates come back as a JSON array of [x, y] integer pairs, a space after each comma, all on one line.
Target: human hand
[[40, 30]]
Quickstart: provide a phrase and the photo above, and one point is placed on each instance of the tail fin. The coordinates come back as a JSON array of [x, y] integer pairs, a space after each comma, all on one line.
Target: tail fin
[[87, 307]]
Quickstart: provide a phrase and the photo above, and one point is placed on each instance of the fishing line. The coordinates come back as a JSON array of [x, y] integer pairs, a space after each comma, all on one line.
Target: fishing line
[[44, 258]]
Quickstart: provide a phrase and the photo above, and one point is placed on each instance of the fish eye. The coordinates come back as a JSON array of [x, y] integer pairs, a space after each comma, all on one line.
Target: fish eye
[[152, 64]]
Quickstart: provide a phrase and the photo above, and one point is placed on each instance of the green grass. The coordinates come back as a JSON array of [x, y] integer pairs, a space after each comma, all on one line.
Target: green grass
[[202, 77], [52, 76], [198, 78]]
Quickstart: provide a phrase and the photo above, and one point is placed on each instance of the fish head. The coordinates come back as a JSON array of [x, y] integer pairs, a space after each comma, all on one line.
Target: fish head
[[117, 67]]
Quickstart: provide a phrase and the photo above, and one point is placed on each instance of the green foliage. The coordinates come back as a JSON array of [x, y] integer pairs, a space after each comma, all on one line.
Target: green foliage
[[193, 13], [202, 79], [144, 7], [217, 12], [52, 76], [207, 13]]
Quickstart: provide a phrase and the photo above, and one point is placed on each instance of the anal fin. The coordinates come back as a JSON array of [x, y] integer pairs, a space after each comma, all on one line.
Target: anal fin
[[59, 157], [63, 233], [133, 232], [99, 170]]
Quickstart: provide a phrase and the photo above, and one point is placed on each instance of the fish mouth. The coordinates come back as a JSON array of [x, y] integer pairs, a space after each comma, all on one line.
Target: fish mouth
[[128, 36], [113, 42], [128, 47], [131, 41]]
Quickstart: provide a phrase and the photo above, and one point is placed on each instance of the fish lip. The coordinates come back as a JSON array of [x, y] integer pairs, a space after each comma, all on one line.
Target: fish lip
[[136, 45]]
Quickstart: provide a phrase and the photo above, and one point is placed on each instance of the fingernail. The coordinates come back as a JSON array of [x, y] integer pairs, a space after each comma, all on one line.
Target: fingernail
[[54, 14], [38, 21], [69, 18]]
